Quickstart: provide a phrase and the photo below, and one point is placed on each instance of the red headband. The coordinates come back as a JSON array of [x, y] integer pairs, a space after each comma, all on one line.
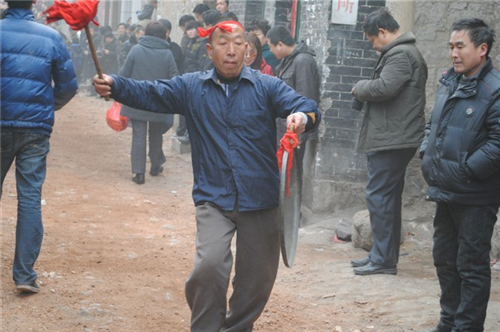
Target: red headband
[[225, 26]]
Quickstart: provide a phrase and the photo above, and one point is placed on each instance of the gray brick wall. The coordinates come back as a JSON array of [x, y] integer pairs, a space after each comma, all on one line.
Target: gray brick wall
[[337, 175]]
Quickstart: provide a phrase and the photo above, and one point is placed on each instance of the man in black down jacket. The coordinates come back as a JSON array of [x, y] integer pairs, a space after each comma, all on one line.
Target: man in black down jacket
[[461, 164]]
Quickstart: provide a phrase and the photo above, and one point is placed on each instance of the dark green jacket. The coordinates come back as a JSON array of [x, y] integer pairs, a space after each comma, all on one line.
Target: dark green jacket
[[395, 97]]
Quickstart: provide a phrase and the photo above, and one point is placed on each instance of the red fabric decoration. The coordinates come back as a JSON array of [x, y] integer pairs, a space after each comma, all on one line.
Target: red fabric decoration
[[77, 14], [288, 142], [225, 26]]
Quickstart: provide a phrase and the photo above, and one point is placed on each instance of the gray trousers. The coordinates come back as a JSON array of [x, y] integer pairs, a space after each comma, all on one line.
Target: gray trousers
[[256, 267], [386, 180], [140, 132]]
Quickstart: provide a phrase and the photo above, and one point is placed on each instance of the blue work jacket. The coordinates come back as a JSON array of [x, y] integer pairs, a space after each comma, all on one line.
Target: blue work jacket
[[232, 134]]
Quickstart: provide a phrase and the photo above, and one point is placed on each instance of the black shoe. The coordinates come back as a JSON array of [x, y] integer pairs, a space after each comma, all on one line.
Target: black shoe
[[155, 171], [372, 268], [360, 262], [139, 178], [32, 288]]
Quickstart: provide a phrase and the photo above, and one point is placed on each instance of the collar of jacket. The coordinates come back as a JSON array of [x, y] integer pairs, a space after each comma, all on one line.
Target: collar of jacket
[[153, 42], [300, 48], [18, 13], [287, 61], [212, 74], [405, 38], [450, 74], [451, 79]]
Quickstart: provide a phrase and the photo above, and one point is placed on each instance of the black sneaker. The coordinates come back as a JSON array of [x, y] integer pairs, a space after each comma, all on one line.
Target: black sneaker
[[139, 178], [32, 288], [155, 171]]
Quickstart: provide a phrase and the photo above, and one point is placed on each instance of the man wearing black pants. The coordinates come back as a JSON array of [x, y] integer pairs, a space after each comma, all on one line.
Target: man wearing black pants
[[460, 162]]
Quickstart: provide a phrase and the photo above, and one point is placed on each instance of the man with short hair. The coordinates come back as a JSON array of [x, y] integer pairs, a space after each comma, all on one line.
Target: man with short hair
[[230, 113], [121, 29], [198, 11], [222, 6], [299, 70], [210, 18], [461, 164], [37, 77], [391, 132]]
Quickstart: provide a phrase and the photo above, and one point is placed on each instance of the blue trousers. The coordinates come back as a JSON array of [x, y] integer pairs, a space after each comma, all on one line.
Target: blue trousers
[[386, 180], [256, 267], [30, 153], [462, 245]]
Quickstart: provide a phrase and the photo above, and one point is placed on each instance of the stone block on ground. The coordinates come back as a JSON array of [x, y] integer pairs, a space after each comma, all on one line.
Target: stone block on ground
[[362, 236], [361, 230], [344, 230]]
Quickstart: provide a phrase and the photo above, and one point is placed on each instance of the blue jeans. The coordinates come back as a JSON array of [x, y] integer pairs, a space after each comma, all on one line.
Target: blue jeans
[[462, 244], [30, 152]]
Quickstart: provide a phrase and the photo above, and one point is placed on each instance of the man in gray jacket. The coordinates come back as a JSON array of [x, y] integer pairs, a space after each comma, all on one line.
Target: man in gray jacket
[[392, 130], [299, 70]]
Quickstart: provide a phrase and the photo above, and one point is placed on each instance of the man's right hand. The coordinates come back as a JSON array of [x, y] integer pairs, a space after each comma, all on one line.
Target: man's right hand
[[103, 85]]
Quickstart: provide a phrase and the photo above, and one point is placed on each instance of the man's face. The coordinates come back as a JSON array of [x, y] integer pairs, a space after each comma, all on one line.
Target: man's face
[[199, 18], [466, 57], [154, 4], [259, 34], [227, 51], [277, 50], [121, 30], [221, 6], [380, 40]]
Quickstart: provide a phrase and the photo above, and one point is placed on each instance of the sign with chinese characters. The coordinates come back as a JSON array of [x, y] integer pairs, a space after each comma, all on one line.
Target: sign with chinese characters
[[345, 11]]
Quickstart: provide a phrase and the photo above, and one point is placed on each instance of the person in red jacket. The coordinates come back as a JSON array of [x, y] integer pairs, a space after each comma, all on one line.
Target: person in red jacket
[[253, 56]]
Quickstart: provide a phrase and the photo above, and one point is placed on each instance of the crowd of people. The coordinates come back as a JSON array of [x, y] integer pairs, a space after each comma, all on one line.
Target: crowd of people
[[237, 90]]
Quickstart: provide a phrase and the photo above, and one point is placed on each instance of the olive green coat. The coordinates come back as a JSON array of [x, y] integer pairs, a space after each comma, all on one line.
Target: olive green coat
[[394, 117]]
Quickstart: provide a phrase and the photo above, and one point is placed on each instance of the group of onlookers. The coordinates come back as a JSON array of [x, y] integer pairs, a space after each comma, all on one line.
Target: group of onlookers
[[231, 112]]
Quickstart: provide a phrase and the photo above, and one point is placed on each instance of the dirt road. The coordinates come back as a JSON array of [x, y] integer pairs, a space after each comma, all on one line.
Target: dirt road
[[115, 254]]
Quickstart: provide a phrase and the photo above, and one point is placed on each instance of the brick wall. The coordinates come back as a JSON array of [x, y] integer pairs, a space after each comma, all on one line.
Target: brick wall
[[336, 173]]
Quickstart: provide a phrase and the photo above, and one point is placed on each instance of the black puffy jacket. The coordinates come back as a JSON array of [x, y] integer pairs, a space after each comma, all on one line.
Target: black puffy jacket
[[461, 148]]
